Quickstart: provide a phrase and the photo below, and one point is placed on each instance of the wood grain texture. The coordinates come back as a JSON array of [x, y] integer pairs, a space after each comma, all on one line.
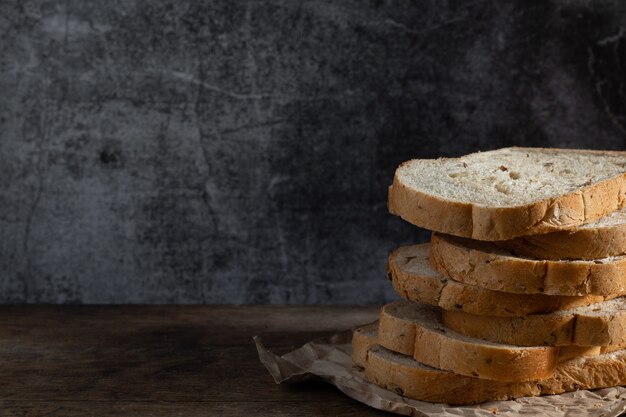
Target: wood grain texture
[[163, 360]]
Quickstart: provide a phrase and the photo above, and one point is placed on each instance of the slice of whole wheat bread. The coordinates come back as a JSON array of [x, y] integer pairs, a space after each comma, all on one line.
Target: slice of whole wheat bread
[[510, 192], [414, 279], [600, 239], [410, 378], [366, 336], [417, 330], [489, 266], [595, 325]]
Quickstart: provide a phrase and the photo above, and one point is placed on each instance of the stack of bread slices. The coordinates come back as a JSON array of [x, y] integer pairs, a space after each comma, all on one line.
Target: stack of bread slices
[[522, 289]]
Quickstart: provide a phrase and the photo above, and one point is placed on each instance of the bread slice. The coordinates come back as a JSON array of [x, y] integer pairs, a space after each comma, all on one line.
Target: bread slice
[[486, 265], [600, 239], [363, 338], [596, 325], [416, 330], [366, 336], [510, 192], [414, 279], [410, 378]]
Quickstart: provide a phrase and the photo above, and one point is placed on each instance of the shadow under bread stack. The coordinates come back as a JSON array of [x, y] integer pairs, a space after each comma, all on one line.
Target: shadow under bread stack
[[522, 289]]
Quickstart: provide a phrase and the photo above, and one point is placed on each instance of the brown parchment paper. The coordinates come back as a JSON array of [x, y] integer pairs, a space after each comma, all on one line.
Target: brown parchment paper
[[330, 359]]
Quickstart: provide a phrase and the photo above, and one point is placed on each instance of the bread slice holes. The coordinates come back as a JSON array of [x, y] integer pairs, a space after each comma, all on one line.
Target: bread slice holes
[[457, 175], [501, 188], [514, 175]]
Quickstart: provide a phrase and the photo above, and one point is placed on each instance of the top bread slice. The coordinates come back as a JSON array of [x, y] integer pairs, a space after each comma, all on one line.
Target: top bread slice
[[510, 192], [602, 238]]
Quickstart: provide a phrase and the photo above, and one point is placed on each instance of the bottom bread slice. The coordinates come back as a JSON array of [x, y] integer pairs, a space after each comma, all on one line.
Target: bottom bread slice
[[406, 376]]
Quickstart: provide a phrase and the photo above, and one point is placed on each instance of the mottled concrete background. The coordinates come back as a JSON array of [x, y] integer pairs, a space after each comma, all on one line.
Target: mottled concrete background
[[235, 151]]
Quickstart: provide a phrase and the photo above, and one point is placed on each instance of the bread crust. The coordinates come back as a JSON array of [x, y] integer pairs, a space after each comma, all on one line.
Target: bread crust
[[488, 266], [491, 223], [434, 289], [600, 326], [441, 348], [580, 243], [363, 338], [407, 377]]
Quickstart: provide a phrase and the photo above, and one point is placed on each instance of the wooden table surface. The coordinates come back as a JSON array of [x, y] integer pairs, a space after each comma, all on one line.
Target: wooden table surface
[[163, 360]]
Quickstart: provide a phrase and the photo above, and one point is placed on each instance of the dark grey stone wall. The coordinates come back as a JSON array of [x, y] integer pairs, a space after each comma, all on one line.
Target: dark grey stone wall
[[239, 151]]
